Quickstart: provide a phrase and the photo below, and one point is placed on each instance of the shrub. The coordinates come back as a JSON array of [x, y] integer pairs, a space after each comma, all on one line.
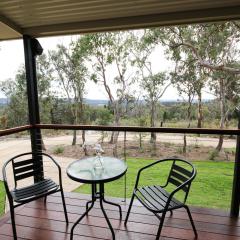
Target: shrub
[[58, 150], [213, 155]]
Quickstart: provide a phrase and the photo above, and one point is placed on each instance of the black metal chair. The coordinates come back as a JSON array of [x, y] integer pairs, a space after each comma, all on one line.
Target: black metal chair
[[23, 168], [159, 201]]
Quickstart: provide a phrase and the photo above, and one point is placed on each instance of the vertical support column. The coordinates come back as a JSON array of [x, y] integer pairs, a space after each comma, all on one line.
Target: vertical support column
[[32, 48], [236, 177]]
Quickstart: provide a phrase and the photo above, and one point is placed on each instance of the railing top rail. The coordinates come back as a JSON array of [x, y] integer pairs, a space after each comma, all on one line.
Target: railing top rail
[[122, 129], [10, 131], [140, 129]]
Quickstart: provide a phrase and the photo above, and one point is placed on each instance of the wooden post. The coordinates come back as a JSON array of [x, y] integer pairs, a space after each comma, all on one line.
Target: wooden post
[[236, 177], [32, 48]]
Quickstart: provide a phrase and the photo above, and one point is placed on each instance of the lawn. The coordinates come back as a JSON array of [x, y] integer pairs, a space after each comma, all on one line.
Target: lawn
[[2, 198], [211, 188]]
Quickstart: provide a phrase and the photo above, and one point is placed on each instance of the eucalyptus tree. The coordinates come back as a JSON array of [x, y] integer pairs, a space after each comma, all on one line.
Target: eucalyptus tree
[[16, 111], [184, 78], [45, 91], [213, 47], [16, 91], [72, 75], [109, 58], [153, 85]]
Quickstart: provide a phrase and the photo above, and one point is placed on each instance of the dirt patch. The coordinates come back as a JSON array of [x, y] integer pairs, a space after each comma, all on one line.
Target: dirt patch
[[163, 150]]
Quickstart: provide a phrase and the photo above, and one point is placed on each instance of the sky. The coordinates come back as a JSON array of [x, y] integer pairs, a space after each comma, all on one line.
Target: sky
[[12, 56]]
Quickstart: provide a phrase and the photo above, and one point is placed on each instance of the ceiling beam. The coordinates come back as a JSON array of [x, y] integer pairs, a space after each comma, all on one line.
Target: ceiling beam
[[11, 24], [136, 22]]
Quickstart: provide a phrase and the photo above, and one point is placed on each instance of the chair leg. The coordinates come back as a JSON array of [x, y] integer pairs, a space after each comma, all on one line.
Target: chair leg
[[13, 221], [129, 209], [45, 199], [160, 225], [64, 206], [191, 220]]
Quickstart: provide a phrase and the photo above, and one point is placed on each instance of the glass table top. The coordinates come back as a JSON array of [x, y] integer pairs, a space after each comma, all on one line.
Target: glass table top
[[84, 170]]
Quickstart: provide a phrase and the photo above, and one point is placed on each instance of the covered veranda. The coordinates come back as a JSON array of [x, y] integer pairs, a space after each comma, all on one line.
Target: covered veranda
[[30, 20]]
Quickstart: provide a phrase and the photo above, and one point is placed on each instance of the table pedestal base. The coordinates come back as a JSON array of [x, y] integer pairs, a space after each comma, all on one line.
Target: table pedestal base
[[98, 195]]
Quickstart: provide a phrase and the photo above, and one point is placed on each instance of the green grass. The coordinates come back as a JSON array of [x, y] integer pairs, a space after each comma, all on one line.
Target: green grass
[[211, 188], [2, 198]]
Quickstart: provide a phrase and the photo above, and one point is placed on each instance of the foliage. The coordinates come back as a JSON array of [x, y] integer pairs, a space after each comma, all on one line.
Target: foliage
[[2, 198], [106, 50], [104, 116], [15, 90], [202, 52], [58, 150], [45, 92], [16, 112], [213, 155], [71, 79]]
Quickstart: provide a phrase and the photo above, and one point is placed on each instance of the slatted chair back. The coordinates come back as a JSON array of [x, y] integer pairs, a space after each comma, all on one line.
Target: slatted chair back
[[180, 174], [24, 167]]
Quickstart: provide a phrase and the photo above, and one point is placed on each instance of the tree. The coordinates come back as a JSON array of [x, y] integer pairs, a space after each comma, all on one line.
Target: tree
[[16, 91], [72, 75], [153, 85], [45, 92], [140, 116], [213, 47], [184, 78], [110, 50], [16, 111]]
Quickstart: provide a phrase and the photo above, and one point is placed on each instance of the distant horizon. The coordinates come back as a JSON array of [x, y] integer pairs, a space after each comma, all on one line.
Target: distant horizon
[[106, 100]]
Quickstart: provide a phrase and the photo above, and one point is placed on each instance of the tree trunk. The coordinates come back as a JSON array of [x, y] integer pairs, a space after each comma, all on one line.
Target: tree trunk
[[152, 122], [114, 135], [83, 141], [52, 116], [189, 123], [154, 148], [140, 140], [43, 145], [222, 110], [220, 143], [115, 139], [184, 143], [102, 136], [200, 113], [74, 141], [83, 136]]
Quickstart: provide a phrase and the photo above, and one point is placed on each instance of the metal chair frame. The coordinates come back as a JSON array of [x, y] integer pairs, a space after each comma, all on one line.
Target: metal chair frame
[[178, 176], [23, 169]]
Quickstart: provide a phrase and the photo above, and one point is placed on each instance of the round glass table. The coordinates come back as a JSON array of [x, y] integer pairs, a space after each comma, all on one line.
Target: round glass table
[[86, 171]]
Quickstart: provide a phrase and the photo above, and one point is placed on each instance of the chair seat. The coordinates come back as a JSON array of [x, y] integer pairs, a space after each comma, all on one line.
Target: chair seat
[[155, 197], [36, 190]]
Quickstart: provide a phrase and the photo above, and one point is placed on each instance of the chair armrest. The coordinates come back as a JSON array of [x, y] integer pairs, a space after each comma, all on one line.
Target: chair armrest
[[146, 167], [5, 178], [56, 164]]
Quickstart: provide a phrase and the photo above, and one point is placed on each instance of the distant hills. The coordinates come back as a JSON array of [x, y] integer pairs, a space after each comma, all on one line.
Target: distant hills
[[95, 102], [3, 101], [102, 102]]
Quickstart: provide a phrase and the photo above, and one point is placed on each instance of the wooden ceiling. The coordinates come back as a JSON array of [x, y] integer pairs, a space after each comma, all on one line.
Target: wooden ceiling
[[61, 17]]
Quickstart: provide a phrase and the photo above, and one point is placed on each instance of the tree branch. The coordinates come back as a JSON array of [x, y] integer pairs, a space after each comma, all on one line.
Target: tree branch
[[207, 64]]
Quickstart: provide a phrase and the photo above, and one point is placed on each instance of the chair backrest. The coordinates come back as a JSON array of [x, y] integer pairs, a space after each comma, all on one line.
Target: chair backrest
[[24, 166], [182, 172]]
